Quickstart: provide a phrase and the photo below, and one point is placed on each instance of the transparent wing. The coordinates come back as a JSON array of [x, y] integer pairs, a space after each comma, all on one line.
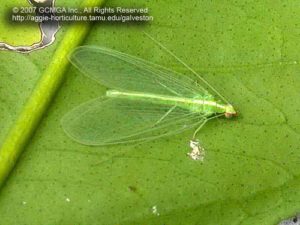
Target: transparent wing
[[128, 73], [106, 121]]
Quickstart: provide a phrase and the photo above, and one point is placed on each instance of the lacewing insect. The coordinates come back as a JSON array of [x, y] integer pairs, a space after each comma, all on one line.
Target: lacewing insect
[[145, 101]]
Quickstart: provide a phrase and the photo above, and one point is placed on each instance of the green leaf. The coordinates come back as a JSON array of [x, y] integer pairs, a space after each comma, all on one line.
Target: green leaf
[[15, 33], [248, 51]]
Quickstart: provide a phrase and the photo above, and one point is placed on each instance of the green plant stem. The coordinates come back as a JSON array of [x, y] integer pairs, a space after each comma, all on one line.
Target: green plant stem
[[41, 97]]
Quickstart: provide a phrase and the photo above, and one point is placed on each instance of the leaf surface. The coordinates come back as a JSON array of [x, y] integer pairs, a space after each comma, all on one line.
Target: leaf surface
[[249, 52]]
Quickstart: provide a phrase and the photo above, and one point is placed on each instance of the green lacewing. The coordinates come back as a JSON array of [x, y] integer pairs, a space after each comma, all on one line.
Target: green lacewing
[[145, 101]]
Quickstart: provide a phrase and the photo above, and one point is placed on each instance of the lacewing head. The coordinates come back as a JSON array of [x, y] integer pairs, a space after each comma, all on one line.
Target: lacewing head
[[230, 111]]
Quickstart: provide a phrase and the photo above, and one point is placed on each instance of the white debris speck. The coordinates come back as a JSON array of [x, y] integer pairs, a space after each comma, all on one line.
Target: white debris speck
[[68, 200], [292, 221], [197, 152], [24, 203], [40, 1], [154, 210]]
